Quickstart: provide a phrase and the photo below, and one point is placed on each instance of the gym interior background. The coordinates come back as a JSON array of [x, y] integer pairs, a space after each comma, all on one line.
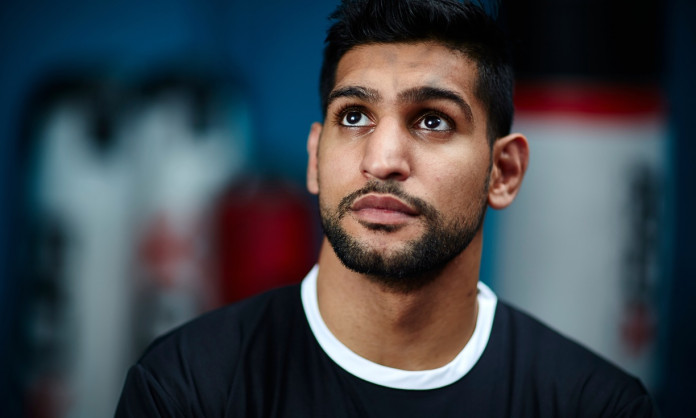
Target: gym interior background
[[153, 158]]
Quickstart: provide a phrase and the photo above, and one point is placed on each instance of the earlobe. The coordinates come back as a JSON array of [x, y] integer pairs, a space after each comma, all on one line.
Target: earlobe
[[510, 158], [312, 162]]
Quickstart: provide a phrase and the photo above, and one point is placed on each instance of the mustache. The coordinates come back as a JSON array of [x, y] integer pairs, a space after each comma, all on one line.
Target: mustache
[[386, 187]]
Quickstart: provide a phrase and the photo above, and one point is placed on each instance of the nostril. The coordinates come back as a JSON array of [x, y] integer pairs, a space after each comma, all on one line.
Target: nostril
[[386, 171]]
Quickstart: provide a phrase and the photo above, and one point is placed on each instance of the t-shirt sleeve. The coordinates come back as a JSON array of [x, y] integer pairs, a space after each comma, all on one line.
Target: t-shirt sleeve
[[640, 407], [144, 396]]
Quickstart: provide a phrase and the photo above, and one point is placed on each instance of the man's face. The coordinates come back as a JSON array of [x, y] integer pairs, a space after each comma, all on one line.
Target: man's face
[[402, 162]]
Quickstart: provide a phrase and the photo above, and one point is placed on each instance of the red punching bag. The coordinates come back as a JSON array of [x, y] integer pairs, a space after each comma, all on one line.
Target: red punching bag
[[265, 236]]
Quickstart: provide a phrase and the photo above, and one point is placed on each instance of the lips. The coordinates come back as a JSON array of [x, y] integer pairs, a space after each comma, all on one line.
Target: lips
[[383, 203]]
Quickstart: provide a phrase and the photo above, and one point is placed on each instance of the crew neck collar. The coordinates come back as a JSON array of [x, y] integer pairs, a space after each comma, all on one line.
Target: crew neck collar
[[392, 377]]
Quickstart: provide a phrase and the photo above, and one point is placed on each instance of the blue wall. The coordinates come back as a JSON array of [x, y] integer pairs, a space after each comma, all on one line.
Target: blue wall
[[272, 49], [678, 337]]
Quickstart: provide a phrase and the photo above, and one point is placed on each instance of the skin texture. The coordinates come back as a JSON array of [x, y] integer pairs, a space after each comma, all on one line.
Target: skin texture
[[406, 115]]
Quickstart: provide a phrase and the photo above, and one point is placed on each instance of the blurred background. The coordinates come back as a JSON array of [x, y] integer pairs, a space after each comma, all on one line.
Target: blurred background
[[153, 158]]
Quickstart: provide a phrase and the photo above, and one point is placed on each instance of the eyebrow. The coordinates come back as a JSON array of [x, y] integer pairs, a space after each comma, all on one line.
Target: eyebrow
[[413, 95], [357, 92], [422, 94]]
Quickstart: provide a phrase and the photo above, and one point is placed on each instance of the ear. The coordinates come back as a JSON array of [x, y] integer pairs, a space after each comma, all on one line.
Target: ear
[[312, 163], [510, 158]]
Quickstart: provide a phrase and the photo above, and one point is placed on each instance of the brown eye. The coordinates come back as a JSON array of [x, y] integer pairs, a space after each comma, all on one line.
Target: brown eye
[[355, 118], [434, 123]]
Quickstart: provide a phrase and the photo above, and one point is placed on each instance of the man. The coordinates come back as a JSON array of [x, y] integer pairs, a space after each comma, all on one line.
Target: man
[[392, 321]]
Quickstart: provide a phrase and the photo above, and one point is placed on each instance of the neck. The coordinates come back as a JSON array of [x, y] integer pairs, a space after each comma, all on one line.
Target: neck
[[417, 330]]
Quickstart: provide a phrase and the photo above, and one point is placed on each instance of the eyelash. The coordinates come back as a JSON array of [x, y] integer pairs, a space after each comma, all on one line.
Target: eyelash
[[343, 110], [439, 114]]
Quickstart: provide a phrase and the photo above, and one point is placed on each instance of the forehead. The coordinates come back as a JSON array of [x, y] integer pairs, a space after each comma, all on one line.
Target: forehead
[[391, 68]]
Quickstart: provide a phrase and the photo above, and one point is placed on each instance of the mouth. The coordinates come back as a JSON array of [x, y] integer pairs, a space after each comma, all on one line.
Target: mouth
[[382, 209]]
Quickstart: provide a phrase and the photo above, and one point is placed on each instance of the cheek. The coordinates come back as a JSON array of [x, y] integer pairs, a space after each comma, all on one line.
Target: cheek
[[458, 183], [336, 173]]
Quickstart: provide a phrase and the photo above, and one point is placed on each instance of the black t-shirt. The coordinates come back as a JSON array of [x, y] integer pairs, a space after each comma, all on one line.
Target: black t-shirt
[[260, 358]]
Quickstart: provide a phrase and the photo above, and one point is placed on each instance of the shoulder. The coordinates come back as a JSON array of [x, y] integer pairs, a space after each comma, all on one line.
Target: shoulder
[[224, 329], [554, 364], [547, 348], [192, 370]]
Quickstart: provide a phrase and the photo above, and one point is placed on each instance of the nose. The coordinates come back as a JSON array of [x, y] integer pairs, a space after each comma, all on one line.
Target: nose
[[386, 152]]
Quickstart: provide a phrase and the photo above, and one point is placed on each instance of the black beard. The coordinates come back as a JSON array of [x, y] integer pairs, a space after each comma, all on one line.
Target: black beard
[[420, 261]]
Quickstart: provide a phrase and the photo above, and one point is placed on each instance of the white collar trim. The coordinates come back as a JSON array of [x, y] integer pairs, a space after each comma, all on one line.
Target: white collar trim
[[397, 378]]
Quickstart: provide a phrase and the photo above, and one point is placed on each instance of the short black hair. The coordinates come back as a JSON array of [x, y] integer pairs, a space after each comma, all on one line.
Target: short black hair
[[462, 26]]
